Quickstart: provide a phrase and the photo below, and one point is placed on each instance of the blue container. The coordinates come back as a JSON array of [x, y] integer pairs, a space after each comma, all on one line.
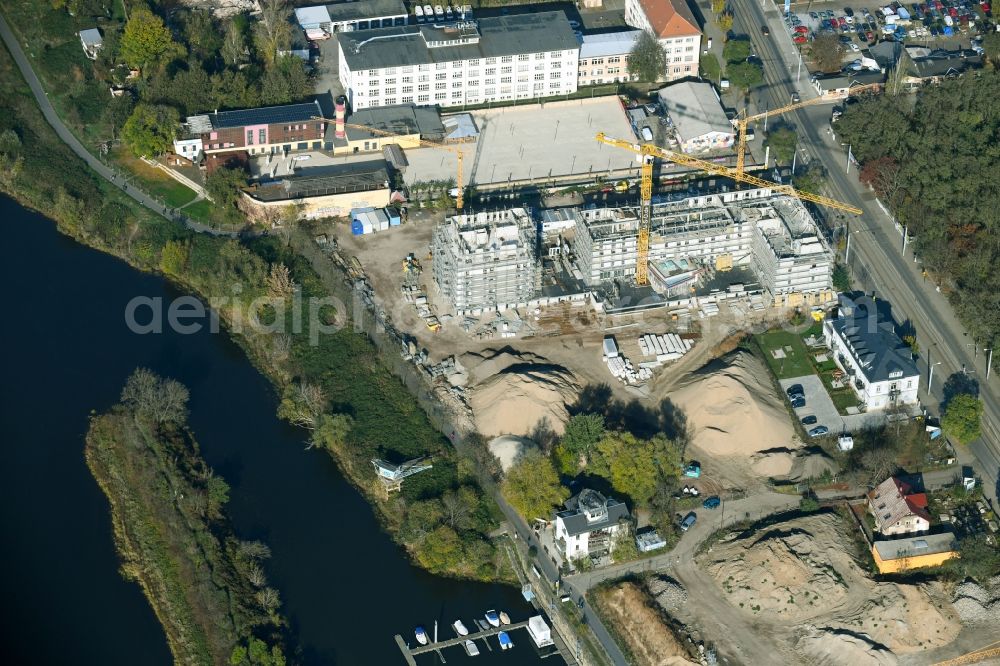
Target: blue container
[[356, 228], [394, 219]]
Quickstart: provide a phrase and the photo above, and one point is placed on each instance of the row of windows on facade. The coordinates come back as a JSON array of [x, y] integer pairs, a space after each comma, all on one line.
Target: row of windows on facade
[[440, 94], [406, 69], [425, 87], [443, 76]]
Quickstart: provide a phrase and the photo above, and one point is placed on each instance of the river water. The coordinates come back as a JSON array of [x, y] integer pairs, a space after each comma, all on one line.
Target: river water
[[347, 588]]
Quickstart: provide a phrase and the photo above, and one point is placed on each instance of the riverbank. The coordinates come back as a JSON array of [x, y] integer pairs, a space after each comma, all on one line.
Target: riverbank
[[206, 587], [341, 370]]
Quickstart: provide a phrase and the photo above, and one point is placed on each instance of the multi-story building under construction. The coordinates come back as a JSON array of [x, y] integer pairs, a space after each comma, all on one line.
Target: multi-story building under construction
[[486, 261], [773, 235]]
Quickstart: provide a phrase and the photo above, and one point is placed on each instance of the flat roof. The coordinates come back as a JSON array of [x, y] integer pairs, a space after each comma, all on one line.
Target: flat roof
[[925, 544], [498, 36], [324, 180], [404, 119], [91, 36], [312, 15], [608, 44], [341, 12], [533, 140], [695, 109], [265, 115]]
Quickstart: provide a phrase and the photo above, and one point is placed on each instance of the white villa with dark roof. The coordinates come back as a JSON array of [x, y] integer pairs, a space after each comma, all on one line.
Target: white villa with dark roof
[[503, 58], [878, 364], [590, 525]]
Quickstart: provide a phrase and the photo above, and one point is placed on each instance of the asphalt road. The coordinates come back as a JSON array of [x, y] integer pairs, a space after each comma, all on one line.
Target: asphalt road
[[112, 176], [877, 260]]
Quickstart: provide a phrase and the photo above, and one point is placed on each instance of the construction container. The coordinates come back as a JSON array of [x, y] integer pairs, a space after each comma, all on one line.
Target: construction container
[[394, 218], [360, 227], [380, 220]]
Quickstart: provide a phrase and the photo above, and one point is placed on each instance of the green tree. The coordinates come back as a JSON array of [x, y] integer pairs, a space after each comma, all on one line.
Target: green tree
[[150, 129], [841, 278], [962, 417], [234, 44], [648, 60], [625, 549], [745, 75], [332, 431], [224, 186], [117, 112], [710, 67], [827, 52], [218, 495], [977, 558], [285, 81], [991, 47], [582, 432], [783, 140], [634, 465], [810, 179], [718, 6], [441, 550], [532, 486], [736, 50], [174, 257], [201, 34], [147, 42]]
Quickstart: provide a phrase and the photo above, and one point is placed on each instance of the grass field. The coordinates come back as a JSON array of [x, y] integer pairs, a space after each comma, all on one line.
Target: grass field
[[200, 211], [796, 361], [155, 182]]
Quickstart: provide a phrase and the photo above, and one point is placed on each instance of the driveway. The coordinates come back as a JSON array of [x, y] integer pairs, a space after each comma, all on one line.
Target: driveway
[[327, 79], [819, 404]]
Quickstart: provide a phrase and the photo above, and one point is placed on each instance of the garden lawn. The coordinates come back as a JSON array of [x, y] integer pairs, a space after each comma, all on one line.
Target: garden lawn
[[796, 362]]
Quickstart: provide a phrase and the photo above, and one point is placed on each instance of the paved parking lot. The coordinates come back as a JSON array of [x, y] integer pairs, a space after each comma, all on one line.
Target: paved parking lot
[[818, 403], [947, 23]]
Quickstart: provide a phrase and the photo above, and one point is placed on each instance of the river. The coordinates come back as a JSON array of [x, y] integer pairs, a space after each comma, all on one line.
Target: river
[[346, 587]]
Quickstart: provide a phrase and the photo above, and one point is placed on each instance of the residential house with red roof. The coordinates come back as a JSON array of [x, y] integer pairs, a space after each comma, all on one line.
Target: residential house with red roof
[[897, 509], [674, 25]]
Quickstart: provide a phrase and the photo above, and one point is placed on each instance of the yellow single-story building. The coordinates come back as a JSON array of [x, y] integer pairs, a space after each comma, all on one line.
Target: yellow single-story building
[[914, 552]]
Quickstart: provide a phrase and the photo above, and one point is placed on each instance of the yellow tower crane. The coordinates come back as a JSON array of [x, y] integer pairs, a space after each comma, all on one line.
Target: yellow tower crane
[[409, 139], [648, 152], [742, 123]]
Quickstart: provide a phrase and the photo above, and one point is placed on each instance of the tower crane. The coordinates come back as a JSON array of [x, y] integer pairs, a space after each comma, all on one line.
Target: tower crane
[[648, 152], [459, 199], [742, 123]]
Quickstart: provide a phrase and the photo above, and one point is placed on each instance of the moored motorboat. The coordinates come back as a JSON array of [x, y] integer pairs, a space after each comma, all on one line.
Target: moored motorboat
[[421, 635], [493, 618], [504, 618], [459, 628], [505, 642], [471, 649]]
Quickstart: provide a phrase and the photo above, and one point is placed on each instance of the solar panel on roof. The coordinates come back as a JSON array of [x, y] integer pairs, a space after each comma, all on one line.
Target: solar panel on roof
[[268, 115]]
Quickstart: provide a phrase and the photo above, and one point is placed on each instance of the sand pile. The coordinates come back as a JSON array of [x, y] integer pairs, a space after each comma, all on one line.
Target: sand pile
[[508, 448], [791, 464], [838, 647], [648, 636], [802, 570], [512, 393], [733, 410]]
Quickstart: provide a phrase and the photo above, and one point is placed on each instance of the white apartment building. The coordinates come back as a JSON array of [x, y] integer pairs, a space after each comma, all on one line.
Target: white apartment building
[[590, 525], [673, 24], [878, 364], [604, 57], [771, 234], [467, 62]]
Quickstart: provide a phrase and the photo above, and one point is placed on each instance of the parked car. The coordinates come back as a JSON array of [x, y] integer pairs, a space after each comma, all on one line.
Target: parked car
[[849, 11], [712, 502], [798, 402], [764, 30], [855, 47], [809, 420], [688, 521], [794, 389], [819, 431], [800, 39]]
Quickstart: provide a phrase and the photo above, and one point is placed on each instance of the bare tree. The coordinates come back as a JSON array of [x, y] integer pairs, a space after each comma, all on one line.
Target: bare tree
[[151, 396], [458, 505], [256, 575], [268, 599], [279, 281], [272, 32], [254, 550]]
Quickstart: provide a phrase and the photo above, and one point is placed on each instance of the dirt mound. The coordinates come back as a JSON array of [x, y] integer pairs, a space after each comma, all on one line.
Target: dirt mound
[[804, 570], [733, 409], [976, 604], [508, 448], [669, 594], [837, 647], [791, 465], [650, 639], [512, 393]]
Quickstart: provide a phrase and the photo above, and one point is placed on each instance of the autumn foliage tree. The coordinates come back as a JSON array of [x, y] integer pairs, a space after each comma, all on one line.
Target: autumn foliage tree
[[147, 42]]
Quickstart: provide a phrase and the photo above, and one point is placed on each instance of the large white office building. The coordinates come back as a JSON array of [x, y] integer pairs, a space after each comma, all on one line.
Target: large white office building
[[466, 62]]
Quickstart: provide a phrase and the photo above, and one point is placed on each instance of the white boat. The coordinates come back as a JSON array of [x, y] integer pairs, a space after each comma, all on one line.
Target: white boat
[[421, 635], [504, 618], [505, 642], [471, 649], [459, 628], [493, 618]]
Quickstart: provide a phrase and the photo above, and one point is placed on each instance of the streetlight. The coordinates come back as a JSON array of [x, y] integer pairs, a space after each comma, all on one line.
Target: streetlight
[[930, 379]]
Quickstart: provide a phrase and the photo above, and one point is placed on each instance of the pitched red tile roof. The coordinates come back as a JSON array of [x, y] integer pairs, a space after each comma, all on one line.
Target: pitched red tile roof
[[670, 18]]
